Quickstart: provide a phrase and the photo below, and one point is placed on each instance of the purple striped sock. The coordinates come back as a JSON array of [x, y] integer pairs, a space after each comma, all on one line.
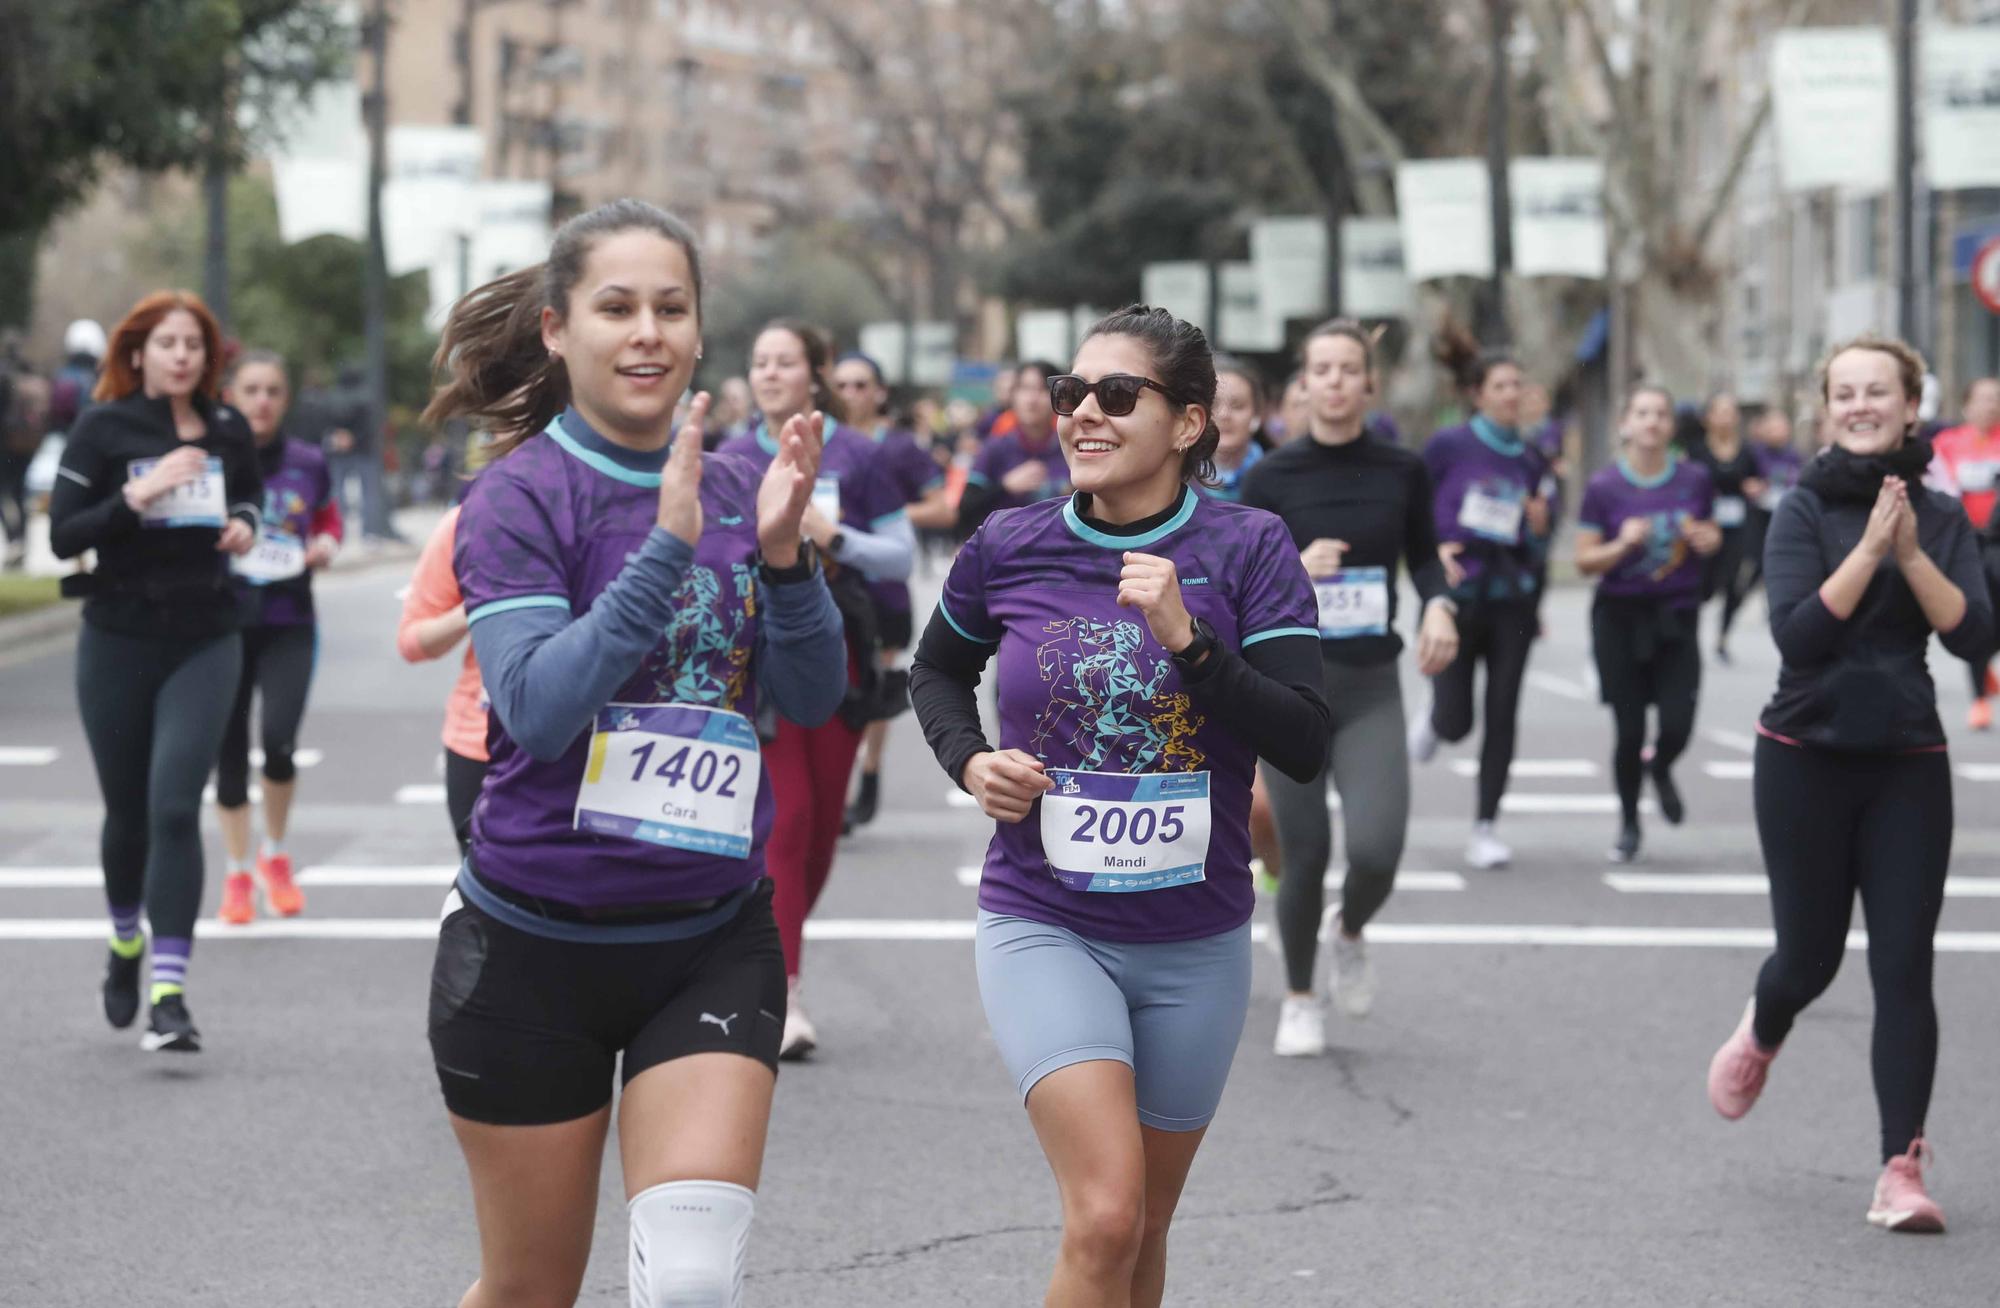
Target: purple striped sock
[[125, 921], [170, 961]]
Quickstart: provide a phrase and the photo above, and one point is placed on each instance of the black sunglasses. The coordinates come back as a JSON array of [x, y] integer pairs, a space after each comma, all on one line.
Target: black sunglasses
[[1117, 394]]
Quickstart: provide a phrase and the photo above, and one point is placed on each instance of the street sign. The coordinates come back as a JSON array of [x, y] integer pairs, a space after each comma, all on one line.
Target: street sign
[[1986, 274]]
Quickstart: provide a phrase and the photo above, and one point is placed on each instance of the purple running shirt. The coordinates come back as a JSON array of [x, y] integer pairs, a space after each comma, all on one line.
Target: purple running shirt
[[1084, 687]]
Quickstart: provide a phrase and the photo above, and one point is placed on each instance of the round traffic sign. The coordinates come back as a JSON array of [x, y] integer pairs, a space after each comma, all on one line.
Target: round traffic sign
[[1986, 274]]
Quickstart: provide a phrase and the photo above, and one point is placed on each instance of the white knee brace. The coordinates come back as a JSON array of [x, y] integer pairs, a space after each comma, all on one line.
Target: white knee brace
[[688, 1241]]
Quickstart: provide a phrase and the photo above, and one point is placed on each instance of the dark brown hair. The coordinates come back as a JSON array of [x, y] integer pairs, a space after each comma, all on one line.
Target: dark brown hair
[[498, 372], [251, 358], [819, 359], [117, 377], [1647, 388], [1187, 369], [1468, 362]]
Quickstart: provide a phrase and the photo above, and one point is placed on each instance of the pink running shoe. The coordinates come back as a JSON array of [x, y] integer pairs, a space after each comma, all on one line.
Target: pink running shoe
[[1901, 1203], [1736, 1073]]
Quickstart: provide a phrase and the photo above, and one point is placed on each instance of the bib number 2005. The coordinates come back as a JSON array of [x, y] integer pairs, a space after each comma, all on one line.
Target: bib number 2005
[[1124, 831], [672, 774]]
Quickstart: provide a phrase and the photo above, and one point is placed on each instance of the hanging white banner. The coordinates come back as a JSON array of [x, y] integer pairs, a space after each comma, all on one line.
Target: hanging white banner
[[1558, 217], [319, 163], [428, 200], [1447, 218], [1372, 282], [1180, 288], [1833, 105], [935, 356], [1043, 334], [513, 230], [1081, 319], [1290, 258], [1961, 106], [883, 342], [1241, 322]]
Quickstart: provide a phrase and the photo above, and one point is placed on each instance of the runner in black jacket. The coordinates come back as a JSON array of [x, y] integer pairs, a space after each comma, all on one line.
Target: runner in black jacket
[[162, 482]]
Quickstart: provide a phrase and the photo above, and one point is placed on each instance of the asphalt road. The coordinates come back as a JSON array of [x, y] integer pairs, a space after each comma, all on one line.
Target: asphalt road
[[1522, 1121]]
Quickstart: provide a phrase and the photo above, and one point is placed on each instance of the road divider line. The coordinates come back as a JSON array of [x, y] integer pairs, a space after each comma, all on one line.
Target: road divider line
[[923, 930], [1565, 768], [28, 756], [1415, 881], [1729, 769], [1562, 686], [1755, 883], [1979, 771], [424, 793], [1567, 805], [90, 878], [1742, 740]]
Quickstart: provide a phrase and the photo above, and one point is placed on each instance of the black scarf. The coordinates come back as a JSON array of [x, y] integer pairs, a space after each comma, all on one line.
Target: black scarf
[[1843, 478]]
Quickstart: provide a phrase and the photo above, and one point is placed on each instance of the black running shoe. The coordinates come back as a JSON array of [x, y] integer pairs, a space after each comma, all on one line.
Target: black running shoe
[[170, 1028], [1626, 849], [867, 799], [1671, 807], [121, 988]]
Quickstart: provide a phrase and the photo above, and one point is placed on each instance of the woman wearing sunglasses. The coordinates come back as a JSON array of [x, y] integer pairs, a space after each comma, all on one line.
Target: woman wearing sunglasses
[[1152, 644]]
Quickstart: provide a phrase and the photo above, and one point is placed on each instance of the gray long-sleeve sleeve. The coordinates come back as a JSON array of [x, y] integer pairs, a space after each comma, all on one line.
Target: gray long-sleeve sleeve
[[887, 552], [547, 674]]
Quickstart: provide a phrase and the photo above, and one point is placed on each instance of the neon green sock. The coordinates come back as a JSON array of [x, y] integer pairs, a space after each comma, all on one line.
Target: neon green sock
[[161, 989], [128, 948]]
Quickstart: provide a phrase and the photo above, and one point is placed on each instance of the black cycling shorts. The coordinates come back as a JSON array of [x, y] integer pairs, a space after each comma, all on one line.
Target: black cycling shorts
[[896, 627], [526, 1030]]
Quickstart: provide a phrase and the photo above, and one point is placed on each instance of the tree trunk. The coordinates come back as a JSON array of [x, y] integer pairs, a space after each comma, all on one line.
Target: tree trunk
[[215, 256], [1670, 337], [18, 252]]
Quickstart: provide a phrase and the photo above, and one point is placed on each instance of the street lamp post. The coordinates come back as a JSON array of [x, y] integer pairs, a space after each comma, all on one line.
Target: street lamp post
[[1493, 315], [1909, 261], [375, 273]]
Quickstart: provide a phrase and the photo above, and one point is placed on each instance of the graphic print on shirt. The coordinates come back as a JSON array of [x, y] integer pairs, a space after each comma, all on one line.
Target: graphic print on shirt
[[1104, 700], [1666, 548], [704, 658]]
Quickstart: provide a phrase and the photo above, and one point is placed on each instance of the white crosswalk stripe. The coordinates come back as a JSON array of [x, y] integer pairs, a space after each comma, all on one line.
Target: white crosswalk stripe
[[28, 756], [1563, 768]]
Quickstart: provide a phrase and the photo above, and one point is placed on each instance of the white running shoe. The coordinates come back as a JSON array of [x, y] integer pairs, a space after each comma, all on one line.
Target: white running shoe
[[799, 1039], [1422, 739], [1353, 976], [1485, 850], [1301, 1028]]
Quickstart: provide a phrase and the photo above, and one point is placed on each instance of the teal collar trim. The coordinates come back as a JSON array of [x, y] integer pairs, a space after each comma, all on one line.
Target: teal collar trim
[[765, 440], [1501, 440], [1649, 483], [595, 453], [1083, 531]]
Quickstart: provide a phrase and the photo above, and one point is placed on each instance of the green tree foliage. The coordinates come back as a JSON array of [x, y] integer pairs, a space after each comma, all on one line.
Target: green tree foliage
[[86, 83], [795, 278], [303, 300]]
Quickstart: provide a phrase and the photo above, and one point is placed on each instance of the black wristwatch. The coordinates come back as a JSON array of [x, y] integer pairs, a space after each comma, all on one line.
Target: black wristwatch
[[835, 542], [803, 570], [1205, 640]]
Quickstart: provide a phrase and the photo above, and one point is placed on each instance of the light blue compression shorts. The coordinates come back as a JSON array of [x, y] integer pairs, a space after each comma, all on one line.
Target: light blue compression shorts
[[1172, 1011]]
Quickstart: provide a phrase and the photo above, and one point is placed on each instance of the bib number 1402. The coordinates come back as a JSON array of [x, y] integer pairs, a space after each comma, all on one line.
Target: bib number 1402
[[672, 774]]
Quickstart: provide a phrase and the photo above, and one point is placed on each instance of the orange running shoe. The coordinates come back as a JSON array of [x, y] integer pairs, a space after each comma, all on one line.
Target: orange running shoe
[[236, 895], [1981, 716], [280, 891]]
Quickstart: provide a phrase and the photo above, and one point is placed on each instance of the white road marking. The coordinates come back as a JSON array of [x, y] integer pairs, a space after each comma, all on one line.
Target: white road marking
[[1742, 740], [1562, 686], [301, 758], [1729, 769], [28, 756], [969, 876], [90, 878], [1567, 805], [1419, 882], [424, 793], [956, 798], [1979, 771], [1567, 768], [1755, 883], [254, 791], [959, 930]]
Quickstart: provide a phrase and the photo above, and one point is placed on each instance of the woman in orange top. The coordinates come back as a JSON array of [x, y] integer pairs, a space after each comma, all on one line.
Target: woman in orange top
[[433, 623]]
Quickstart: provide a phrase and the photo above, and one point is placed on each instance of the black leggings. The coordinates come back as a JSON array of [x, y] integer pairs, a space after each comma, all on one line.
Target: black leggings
[[1500, 633], [278, 666], [462, 779], [153, 711], [1730, 575], [1832, 823], [1647, 656]]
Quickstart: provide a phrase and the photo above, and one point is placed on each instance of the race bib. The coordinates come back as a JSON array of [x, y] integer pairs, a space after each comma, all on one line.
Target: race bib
[[197, 502], [826, 497], [674, 775], [1494, 516], [275, 557], [1730, 510], [1774, 495], [1977, 476], [1353, 602], [1126, 831]]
